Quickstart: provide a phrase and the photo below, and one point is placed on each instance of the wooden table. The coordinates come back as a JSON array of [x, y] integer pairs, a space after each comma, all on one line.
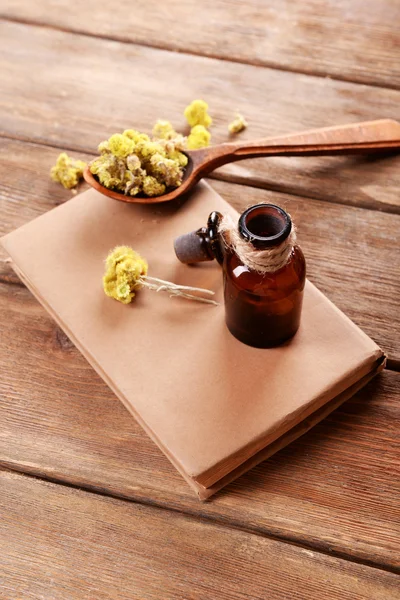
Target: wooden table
[[90, 508]]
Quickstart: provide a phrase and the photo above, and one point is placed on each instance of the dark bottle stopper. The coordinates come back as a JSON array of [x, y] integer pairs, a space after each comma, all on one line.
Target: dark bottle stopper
[[191, 248], [201, 245]]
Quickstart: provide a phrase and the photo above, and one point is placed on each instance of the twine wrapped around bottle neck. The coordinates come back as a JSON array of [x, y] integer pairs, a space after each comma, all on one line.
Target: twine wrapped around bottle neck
[[263, 261]]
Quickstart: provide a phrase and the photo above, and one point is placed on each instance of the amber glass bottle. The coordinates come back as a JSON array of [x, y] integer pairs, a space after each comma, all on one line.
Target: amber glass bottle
[[263, 309]]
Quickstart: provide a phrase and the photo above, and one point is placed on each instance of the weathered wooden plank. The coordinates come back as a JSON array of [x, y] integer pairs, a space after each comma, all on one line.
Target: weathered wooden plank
[[71, 91], [345, 39], [26, 190], [350, 252], [334, 489], [61, 543]]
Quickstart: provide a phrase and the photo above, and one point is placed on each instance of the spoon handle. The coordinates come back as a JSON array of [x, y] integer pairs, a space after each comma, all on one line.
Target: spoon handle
[[356, 138]]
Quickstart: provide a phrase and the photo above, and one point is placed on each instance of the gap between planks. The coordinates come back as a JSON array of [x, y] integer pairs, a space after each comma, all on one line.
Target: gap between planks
[[229, 178], [226, 523], [210, 55]]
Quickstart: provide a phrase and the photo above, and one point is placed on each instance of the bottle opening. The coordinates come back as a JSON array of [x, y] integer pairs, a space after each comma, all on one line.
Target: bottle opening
[[265, 225]]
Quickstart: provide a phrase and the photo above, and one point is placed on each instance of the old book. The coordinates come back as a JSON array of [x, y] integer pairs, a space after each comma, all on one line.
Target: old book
[[214, 406]]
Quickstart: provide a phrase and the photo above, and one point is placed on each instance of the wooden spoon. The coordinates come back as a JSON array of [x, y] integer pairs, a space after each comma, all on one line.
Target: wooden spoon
[[357, 138]]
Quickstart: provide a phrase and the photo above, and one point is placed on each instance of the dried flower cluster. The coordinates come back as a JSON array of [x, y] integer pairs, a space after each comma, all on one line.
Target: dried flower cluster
[[132, 163], [126, 273], [67, 171], [198, 138], [124, 268], [197, 114], [238, 124], [199, 120]]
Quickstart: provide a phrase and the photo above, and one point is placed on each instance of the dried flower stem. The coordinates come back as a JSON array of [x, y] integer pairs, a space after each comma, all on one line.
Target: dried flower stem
[[160, 285]]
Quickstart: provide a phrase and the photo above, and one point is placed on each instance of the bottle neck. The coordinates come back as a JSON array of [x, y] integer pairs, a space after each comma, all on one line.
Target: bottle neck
[[265, 226]]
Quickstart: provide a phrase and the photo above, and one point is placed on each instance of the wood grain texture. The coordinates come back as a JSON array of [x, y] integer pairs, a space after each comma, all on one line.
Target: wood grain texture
[[346, 39], [349, 251], [334, 489], [65, 544], [60, 421], [26, 190], [72, 91]]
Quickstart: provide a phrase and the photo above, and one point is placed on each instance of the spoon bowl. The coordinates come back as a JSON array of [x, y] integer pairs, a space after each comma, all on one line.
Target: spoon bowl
[[357, 138]]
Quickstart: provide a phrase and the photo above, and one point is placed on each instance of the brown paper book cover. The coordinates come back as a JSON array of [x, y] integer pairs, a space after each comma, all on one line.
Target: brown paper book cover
[[215, 406]]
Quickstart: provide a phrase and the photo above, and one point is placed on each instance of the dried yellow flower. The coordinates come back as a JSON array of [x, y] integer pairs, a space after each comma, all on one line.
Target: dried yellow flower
[[152, 187], [199, 138], [103, 147], [124, 269], [107, 169], [177, 143], [238, 124], [145, 150], [136, 136], [173, 149], [121, 145], [166, 170], [126, 272], [163, 130], [67, 171], [196, 114], [133, 163]]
